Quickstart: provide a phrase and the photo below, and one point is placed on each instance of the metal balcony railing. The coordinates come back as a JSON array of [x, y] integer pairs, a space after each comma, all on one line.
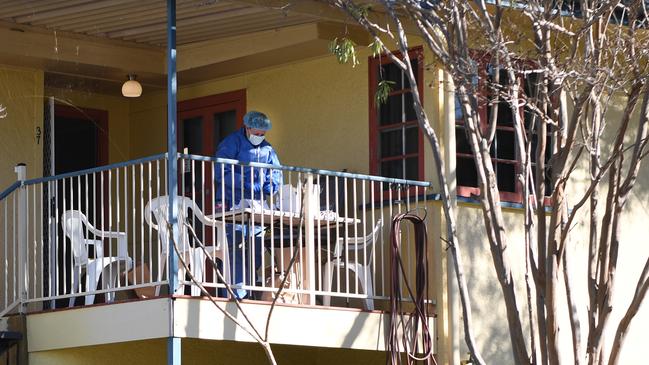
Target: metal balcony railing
[[61, 234]]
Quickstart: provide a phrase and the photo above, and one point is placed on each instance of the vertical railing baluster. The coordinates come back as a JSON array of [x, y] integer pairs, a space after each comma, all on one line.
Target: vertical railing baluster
[[51, 240], [223, 227], [292, 201], [203, 208], [216, 240], [329, 253], [364, 227], [117, 224], [390, 210], [354, 207], [142, 224], [346, 245], [190, 219], [13, 269], [338, 238], [102, 191], [94, 201], [235, 244], [309, 212], [127, 226], [254, 249], [78, 207], [6, 256], [133, 214], [42, 250], [318, 250], [158, 241], [34, 255], [74, 191], [27, 245], [250, 246], [64, 245], [372, 266]]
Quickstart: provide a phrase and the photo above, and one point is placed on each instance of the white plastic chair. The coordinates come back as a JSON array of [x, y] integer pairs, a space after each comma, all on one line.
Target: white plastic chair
[[108, 268], [356, 257], [195, 256]]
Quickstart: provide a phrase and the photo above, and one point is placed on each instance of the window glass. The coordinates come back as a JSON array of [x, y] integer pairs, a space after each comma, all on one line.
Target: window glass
[[391, 143], [503, 145], [224, 124], [391, 111], [461, 143], [412, 139], [503, 149], [466, 172], [392, 168], [412, 168], [192, 135], [391, 72], [506, 174], [394, 130], [410, 112]]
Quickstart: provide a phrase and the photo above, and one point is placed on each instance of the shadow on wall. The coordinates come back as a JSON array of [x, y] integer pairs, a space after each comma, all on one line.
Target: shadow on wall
[[487, 303]]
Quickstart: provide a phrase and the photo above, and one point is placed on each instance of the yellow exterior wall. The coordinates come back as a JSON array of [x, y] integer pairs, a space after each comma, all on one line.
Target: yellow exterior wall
[[21, 92], [201, 352], [318, 107], [488, 305]]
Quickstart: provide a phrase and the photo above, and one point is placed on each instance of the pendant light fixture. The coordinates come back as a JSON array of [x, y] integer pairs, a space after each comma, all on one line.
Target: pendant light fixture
[[131, 88]]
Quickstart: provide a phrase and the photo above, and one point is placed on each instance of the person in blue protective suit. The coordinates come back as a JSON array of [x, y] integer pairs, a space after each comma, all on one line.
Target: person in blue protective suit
[[238, 186]]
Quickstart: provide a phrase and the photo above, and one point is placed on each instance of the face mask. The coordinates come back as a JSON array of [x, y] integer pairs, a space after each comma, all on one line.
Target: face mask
[[256, 140]]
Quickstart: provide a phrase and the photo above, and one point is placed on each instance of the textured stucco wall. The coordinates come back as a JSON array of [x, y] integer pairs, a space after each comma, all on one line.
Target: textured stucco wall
[[21, 93]]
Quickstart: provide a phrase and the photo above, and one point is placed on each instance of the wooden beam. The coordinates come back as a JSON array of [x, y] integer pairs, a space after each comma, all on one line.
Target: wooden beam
[[220, 50], [50, 48]]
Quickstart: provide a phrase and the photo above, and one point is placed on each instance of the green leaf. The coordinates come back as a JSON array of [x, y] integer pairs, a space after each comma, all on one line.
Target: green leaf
[[376, 47], [344, 50], [383, 91]]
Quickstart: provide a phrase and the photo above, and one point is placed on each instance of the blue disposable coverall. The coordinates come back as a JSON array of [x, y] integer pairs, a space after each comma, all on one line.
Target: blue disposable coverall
[[256, 182]]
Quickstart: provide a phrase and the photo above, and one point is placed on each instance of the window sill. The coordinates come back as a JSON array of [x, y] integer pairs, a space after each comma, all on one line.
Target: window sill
[[460, 199], [507, 205]]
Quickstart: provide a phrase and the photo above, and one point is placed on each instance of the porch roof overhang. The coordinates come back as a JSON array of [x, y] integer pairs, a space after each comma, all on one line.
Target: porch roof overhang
[[95, 43]]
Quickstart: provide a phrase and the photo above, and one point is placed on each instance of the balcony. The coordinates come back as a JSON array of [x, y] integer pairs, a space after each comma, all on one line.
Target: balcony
[[72, 241]]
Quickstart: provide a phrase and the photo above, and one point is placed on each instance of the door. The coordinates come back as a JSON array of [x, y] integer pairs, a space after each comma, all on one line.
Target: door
[[79, 138], [202, 124]]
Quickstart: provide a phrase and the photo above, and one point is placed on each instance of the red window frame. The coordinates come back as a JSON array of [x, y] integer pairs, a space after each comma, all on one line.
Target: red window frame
[[482, 59], [374, 124], [206, 106]]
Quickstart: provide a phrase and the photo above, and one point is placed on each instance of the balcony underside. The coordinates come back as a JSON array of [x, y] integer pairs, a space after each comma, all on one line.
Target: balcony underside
[[198, 322], [202, 352]]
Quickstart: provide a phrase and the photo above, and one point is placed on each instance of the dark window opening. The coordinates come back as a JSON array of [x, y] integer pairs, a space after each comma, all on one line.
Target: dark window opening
[[503, 149], [396, 148]]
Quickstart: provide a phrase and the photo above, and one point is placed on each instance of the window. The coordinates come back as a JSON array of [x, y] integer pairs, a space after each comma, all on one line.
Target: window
[[503, 148], [396, 143]]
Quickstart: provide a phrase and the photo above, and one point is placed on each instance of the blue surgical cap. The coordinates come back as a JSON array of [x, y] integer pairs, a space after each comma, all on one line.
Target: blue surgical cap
[[257, 120]]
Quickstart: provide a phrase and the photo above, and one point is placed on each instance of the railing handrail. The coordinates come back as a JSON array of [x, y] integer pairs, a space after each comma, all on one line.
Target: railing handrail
[[388, 180], [94, 169], [10, 189], [308, 170]]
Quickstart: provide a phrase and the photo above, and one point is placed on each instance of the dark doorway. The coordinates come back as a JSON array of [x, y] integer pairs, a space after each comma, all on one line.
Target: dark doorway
[[80, 142]]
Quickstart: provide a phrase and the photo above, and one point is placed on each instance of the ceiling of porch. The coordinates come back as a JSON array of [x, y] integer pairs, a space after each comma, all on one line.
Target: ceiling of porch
[[95, 43], [145, 21]]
